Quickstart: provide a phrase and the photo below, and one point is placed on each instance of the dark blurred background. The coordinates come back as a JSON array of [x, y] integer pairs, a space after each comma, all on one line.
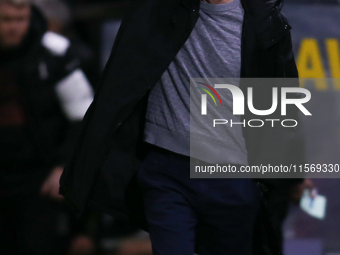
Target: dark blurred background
[[91, 26]]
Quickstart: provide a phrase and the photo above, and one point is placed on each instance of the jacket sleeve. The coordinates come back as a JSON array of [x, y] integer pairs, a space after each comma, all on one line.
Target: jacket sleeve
[[274, 58], [75, 94]]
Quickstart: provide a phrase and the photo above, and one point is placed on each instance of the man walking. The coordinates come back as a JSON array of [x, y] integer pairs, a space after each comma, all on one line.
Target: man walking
[[221, 212], [141, 113]]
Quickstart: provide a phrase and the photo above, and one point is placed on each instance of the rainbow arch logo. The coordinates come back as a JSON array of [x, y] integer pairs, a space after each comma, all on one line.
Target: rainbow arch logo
[[209, 93]]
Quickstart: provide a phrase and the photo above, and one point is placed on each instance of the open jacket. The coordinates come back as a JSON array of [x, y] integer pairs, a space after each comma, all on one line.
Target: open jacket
[[152, 32]]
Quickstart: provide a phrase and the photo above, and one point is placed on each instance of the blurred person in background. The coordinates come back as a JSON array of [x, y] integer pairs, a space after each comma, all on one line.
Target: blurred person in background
[[43, 97], [60, 17]]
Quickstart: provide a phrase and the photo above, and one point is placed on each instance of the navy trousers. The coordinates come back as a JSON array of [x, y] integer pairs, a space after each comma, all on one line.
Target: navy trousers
[[206, 216]]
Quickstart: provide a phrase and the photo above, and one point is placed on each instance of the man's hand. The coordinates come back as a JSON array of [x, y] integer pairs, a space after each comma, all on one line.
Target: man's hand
[[50, 187]]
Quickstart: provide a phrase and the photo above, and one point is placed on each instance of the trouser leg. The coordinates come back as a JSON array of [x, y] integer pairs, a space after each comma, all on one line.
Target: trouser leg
[[171, 218], [216, 215], [227, 217]]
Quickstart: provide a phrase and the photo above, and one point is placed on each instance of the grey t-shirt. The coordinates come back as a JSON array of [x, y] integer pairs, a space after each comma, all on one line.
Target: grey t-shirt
[[213, 50]]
